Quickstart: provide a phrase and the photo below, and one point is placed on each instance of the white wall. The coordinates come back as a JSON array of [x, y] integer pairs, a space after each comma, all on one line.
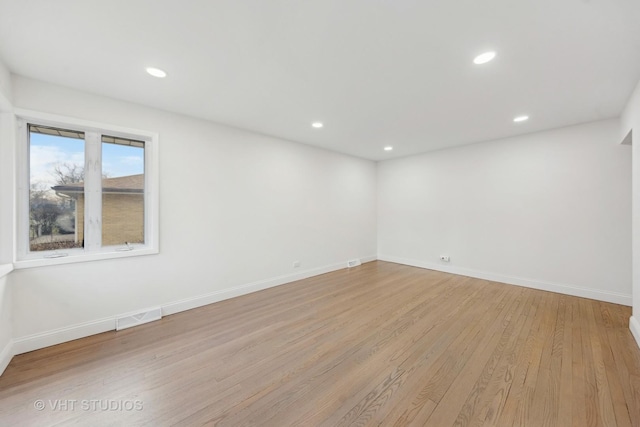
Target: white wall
[[6, 218], [550, 210], [631, 122], [235, 208], [6, 322], [5, 82], [7, 136]]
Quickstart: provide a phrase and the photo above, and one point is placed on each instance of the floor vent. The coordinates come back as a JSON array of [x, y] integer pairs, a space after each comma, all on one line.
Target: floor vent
[[131, 320], [353, 263]]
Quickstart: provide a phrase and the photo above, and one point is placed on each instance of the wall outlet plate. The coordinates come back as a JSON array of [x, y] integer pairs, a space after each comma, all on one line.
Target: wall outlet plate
[[353, 263]]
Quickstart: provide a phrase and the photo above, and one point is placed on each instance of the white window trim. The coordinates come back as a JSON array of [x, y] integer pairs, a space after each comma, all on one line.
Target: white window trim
[[25, 259]]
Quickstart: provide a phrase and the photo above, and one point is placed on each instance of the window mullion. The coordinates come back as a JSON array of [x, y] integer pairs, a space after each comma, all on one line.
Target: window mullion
[[23, 189], [93, 192]]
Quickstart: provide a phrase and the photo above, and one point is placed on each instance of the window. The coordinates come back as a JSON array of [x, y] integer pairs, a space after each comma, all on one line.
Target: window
[[56, 188], [85, 191], [122, 191]]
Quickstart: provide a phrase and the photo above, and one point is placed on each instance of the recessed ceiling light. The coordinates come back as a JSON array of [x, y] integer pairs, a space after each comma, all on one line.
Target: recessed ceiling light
[[388, 148], [483, 58], [317, 125], [520, 119], [156, 72]]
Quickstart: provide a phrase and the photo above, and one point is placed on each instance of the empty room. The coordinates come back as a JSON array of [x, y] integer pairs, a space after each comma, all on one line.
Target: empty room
[[320, 213]]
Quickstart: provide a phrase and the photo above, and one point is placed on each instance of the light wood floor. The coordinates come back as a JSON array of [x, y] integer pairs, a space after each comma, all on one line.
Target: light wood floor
[[381, 344]]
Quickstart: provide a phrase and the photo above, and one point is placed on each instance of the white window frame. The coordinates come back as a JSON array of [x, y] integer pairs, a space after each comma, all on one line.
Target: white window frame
[[93, 249]]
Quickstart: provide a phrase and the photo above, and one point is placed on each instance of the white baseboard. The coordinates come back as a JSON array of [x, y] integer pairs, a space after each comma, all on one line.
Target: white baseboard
[[369, 258], [81, 330], [634, 325], [60, 335], [613, 297], [212, 297], [5, 356]]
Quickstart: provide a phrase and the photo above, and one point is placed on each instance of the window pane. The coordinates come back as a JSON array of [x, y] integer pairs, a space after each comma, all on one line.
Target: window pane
[[56, 188], [122, 191]]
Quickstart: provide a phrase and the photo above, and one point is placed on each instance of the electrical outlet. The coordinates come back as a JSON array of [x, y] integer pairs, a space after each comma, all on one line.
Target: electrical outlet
[[296, 264], [353, 263], [445, 258]]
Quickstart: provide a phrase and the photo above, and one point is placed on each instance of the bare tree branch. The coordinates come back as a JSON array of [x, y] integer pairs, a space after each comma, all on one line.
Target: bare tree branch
[[67, 173]]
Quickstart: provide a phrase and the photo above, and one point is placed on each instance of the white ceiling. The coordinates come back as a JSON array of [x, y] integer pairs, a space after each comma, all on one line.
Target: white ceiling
[[376, 72]]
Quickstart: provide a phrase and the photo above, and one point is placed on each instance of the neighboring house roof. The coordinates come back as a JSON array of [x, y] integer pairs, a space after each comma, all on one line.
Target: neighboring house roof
[[121, 184]]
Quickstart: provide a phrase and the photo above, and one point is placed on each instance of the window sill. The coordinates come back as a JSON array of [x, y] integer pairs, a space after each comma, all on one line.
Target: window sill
[[5, 269], [83, 257]]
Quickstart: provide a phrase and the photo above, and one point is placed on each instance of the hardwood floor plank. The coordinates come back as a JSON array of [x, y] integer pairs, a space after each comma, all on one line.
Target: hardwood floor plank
[[461, 385], [545, 396], [578, 412], [614, 387], [478, 401], [592, 403], [519, 402], [618, 340], [565, 413], [501, 390], [492, 392], [450, 364], [603, 389]]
